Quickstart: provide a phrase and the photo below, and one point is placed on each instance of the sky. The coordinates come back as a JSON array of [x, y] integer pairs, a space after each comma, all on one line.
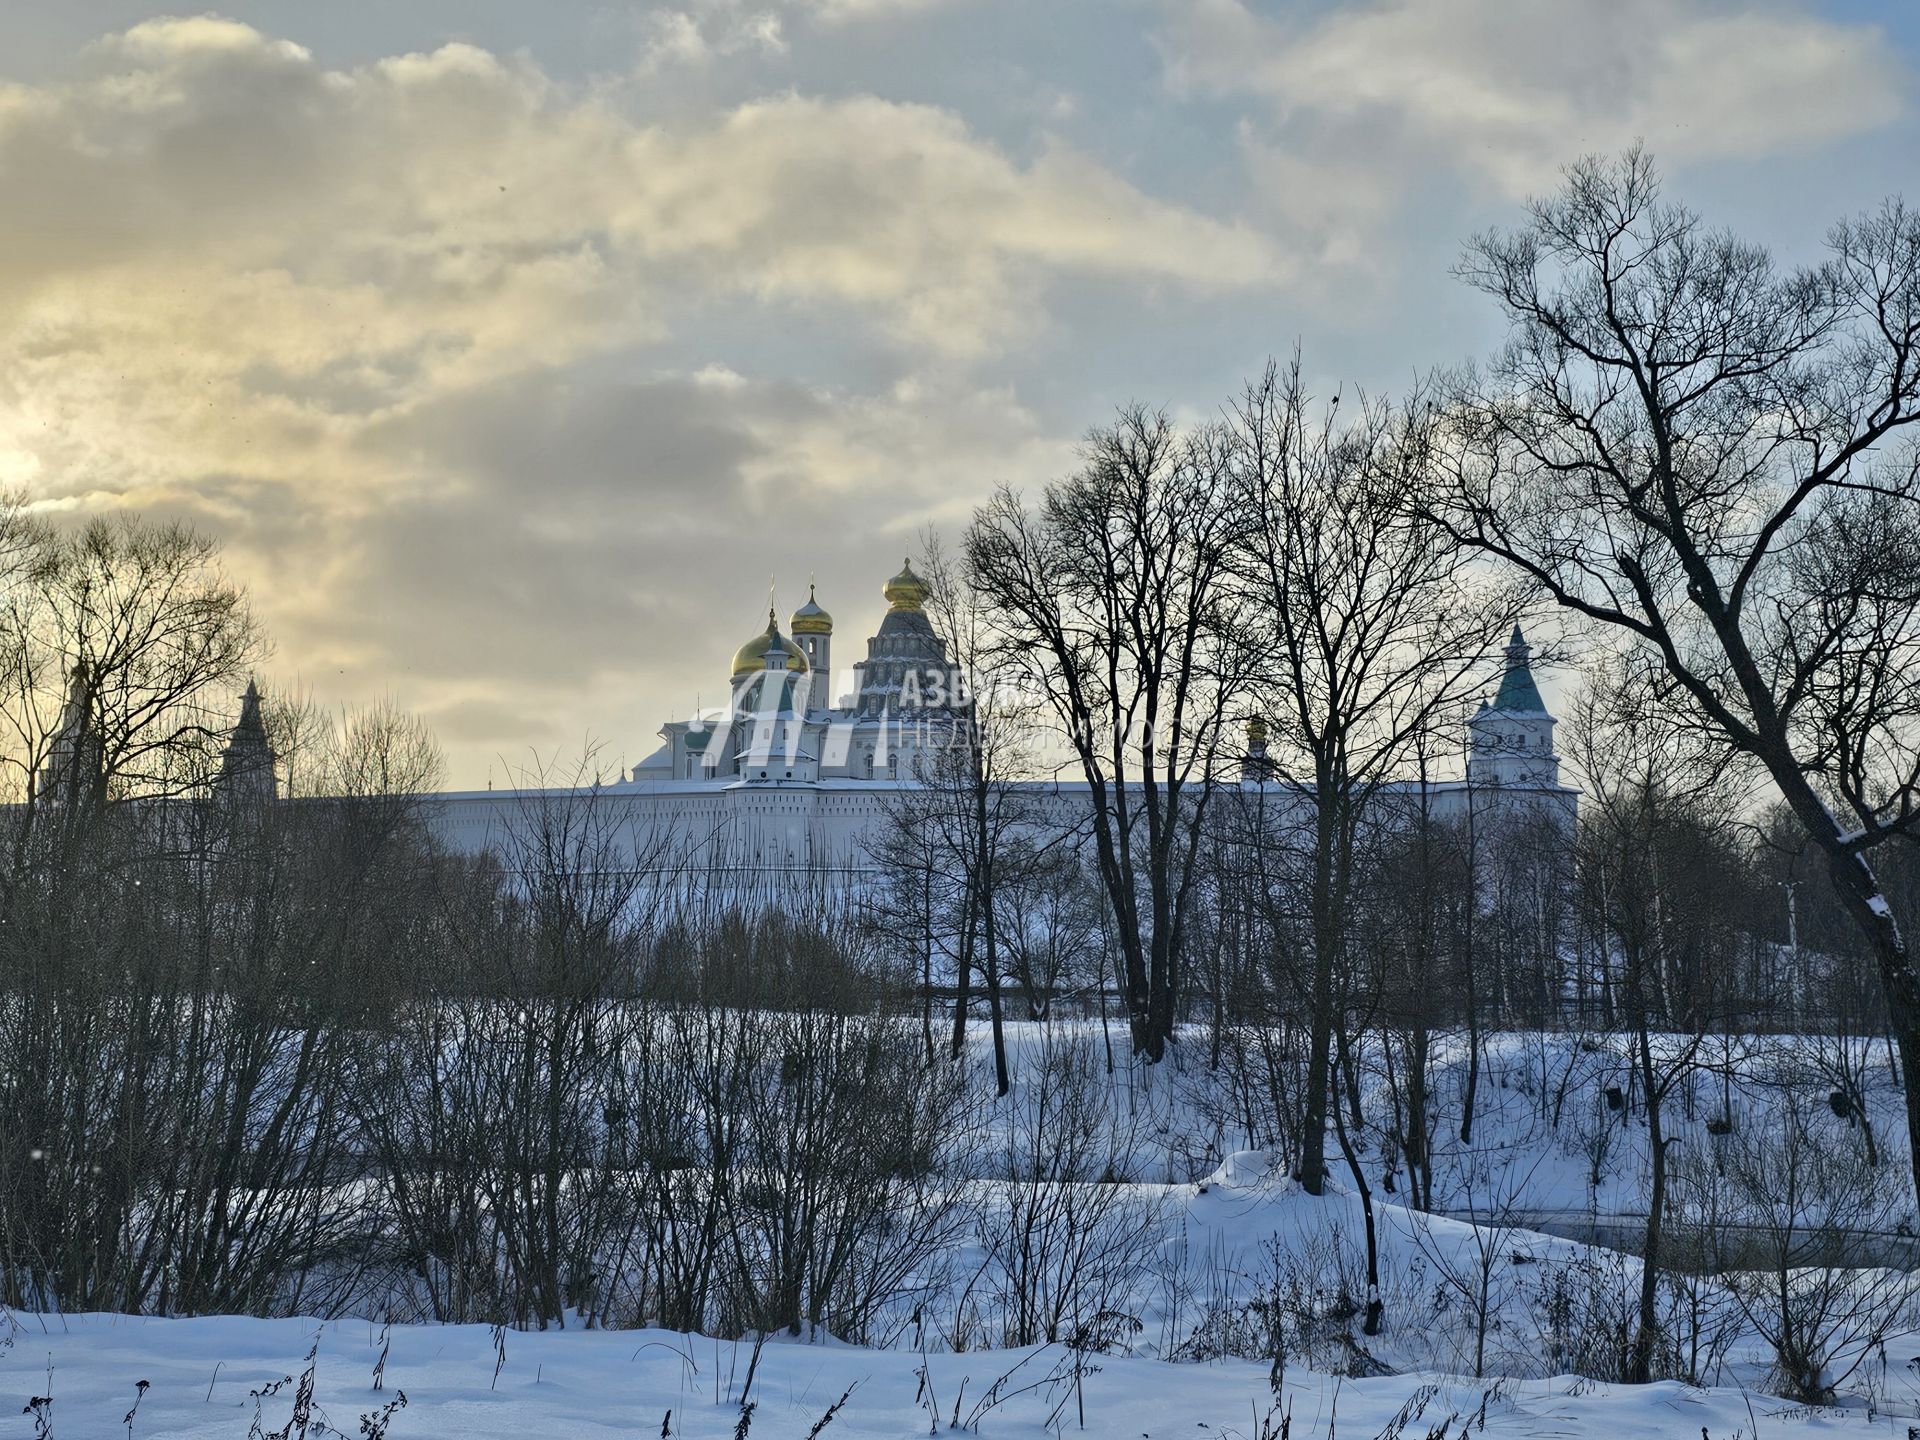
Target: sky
[[512, 350]]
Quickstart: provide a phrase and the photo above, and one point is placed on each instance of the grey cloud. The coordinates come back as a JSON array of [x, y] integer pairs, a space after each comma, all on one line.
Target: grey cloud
[[1510, 90], [550, 523], [573, 538]]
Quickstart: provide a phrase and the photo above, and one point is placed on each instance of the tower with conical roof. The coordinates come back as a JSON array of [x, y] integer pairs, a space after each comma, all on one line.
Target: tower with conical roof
[[906, 664], [910, 700], [71, 772], [1511, 735], [247, 764]]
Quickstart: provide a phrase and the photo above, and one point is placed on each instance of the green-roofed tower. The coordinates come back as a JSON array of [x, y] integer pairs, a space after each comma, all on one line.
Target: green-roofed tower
[[1517, 693], [1512, 734]]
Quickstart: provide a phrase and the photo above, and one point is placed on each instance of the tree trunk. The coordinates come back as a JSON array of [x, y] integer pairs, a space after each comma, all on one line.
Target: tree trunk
[[1313, 1128], [926, 975], [1860, 892], [1375, 1306], [984, 868], [1473, 1058], [1419, 1153], [1647, 1335], [1313, 1125], [963, 981], [1861, 896]]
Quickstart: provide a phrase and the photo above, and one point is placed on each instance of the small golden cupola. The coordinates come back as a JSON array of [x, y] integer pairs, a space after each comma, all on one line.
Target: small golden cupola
[[752, 656], [810, 619], [1256, 766], [906, 591]]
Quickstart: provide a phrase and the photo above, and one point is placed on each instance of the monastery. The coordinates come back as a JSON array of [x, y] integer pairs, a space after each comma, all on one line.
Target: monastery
[[789, 781]]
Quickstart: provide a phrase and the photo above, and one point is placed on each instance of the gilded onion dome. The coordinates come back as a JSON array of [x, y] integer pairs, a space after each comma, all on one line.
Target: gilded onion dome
[[810, 619], [906, 591], [752, 656]]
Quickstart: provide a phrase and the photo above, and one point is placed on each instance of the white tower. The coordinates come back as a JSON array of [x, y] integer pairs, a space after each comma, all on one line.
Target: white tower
[[1512, 735]]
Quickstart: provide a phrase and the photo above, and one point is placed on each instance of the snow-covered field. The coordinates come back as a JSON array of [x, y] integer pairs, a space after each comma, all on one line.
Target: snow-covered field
[[558, 1386], [1218, 1245]]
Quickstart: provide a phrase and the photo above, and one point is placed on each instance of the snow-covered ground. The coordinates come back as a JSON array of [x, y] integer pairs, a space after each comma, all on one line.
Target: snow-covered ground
[[1220, 1251], [559, 1386], [1545, 1137]]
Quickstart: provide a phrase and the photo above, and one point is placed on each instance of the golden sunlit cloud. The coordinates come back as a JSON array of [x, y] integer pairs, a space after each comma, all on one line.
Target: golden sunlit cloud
[[280, 298]]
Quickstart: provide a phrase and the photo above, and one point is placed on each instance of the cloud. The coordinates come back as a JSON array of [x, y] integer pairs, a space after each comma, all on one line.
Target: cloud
[[842, 11], [711, 30], [1511, 90], [386, 330], [498, 210], [896, 209], [704, 31], [617, 536]]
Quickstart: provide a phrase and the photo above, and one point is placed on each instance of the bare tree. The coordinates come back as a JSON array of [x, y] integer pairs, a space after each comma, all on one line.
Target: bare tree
[[146, 638], [32, 682], [1069, 1242], [1803, 1247], [1474, 1261], [973, 773], [1413, 918], [184, 982], [1685, 444], [843, 1207], [1050, 921], [1371, 627], [1660, 884], [1108, 599], [485, 1102], [915, 905]]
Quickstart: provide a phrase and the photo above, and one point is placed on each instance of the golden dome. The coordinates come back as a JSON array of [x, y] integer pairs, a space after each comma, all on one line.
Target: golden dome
[[1256, 732], [810, 619], [752, 656], [906, 591]]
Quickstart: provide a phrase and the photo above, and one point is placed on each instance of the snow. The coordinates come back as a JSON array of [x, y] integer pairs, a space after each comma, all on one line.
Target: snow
[[570, 1385], [1225, 1228], [1543, 1128]]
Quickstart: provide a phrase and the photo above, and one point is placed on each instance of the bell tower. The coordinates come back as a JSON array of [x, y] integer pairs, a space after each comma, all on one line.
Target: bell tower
[[812, 629]]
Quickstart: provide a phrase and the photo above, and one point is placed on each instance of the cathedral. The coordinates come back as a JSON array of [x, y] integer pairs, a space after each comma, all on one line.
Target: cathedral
[[784, 781], [783, 724]]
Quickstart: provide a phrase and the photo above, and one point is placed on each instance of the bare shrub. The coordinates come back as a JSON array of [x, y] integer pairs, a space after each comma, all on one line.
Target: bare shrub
[[1475, 1271], [1069, 1242], [1801, 1246], [841, 1206], [1314, 1293]]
